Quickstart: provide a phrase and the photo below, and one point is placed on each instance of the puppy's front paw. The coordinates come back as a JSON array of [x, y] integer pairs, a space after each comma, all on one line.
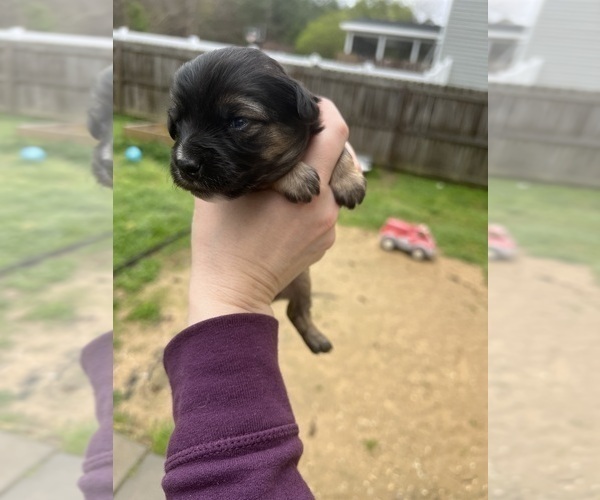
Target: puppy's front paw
[[350, 192], [349, 186], [300, 184]]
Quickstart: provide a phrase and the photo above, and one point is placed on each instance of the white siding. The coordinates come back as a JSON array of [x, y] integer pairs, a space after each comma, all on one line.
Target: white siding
[[465, 40], [566, 36]]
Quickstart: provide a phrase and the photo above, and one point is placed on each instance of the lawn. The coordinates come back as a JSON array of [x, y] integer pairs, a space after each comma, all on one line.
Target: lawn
[[558, 222], [149, 209], [47, 205]]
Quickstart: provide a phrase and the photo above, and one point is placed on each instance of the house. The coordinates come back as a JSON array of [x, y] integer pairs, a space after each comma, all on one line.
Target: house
[[401, 44], [465, 42], [559, 50], [459, 50]]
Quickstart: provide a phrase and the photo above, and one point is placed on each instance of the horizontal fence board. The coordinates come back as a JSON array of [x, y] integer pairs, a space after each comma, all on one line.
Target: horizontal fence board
[[542, 134], [49, 80]]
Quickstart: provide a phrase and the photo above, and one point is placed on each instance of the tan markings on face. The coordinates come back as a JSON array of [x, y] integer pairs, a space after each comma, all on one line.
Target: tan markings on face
[[247, 108]]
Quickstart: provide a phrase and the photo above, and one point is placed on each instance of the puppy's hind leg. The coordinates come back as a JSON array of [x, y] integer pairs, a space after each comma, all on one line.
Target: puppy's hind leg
[[299, 295]]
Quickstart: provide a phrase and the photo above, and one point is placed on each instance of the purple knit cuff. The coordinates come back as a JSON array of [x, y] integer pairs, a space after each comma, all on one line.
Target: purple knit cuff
[[226, 384]]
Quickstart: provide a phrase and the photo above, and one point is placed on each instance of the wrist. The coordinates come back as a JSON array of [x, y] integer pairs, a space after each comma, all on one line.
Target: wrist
[[206, 302]]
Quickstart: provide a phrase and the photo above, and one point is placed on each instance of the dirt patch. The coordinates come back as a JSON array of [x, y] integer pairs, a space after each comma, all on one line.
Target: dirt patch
[[398, 409], [47, 392], [544, 378]]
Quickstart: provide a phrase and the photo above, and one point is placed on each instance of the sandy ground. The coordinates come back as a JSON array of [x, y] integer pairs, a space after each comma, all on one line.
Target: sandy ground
[[544, 390], [40, 369], [398, 409]]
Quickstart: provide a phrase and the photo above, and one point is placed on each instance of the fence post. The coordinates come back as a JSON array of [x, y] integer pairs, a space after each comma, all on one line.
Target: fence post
[[9, 77], [118, 77]]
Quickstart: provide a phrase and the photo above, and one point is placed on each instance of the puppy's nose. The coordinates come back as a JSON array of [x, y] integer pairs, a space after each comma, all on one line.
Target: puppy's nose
[[187, 166]]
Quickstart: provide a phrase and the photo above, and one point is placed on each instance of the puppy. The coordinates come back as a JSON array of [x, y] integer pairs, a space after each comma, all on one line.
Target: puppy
[[241, 125], [99, 121]]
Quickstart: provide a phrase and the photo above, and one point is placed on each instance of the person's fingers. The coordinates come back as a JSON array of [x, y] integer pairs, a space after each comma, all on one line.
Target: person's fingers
[[326, 147]]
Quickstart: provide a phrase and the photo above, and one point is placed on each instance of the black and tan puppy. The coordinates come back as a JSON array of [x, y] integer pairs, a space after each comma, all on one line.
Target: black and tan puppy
[[241, 125]]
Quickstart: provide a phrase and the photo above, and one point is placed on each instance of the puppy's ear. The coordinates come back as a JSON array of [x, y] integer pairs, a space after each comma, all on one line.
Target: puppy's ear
[[94, 126], [306, 104], [171, 125]]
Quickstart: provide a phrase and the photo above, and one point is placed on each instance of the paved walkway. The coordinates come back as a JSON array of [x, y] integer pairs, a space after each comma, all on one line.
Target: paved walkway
[[35, 471], [137, 473]]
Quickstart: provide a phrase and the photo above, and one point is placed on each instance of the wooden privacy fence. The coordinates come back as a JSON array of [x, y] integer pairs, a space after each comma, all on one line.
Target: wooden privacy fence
[[49, 75], [420, 128], [545, 135]]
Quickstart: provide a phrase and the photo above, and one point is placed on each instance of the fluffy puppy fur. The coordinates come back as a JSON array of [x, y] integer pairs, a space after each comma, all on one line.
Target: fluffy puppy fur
[[99, 121], [241, 125]]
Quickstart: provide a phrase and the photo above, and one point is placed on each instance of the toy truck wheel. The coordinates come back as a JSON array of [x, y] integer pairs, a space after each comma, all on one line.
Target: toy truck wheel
[[387, 244], [418, 254]]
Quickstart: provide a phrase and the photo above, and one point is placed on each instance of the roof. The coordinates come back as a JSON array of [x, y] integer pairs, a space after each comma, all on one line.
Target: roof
[[392, 28], [506, 31], [504, 26]]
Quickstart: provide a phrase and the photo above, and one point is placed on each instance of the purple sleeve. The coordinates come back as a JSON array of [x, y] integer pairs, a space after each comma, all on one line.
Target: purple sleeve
[[235, 435], [97, 362]]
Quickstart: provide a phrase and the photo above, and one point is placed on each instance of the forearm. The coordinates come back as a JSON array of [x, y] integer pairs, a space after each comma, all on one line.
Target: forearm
[[235, 434]]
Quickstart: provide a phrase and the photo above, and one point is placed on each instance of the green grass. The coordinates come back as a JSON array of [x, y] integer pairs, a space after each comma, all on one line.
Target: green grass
[[550, 221], [31, 279], [121, 419], [6, 341], [148, 311], [62, 311], [370, 444], [149, 208], [456, 214], [117, 397], [50, 204], [6, 397], [159, 436], [135, 277], [75, 439], [11, 419]]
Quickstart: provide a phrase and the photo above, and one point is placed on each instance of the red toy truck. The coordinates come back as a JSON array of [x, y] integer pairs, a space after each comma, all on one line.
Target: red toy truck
[[501, 245], [414, 239]]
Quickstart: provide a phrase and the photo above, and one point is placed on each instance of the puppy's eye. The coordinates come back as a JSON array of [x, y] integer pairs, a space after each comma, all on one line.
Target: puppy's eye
[[238, 123]]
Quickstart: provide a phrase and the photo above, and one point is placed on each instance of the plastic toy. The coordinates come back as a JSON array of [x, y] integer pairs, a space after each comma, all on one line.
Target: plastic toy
[[33, 153], [501, 245], [414, 239], [133, 154]]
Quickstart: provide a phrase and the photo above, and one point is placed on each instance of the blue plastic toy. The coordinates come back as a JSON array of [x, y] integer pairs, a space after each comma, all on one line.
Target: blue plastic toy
[[33, 153], [133, 154]]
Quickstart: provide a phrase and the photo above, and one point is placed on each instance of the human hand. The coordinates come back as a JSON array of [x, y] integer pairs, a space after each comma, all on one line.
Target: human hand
[[245, 251]]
